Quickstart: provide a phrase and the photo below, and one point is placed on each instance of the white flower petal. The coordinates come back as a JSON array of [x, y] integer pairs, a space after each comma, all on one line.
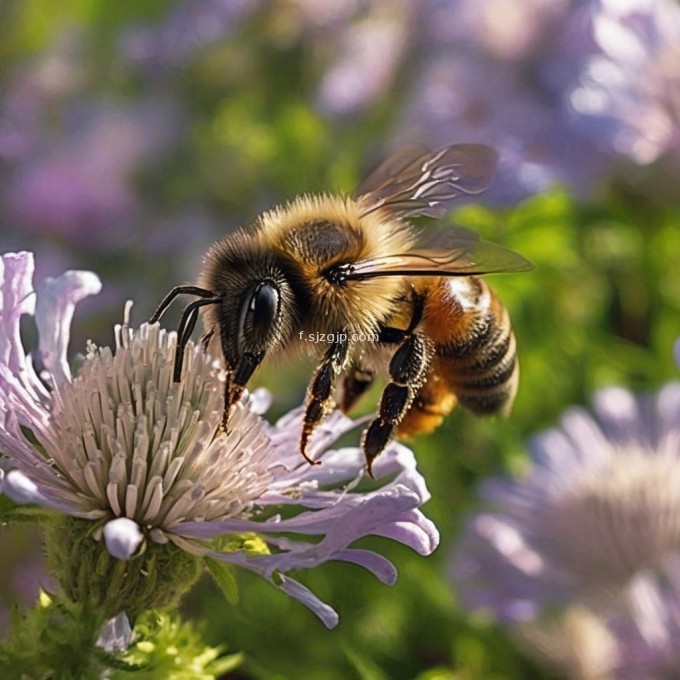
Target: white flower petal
[[22, 489], [116, 634], [122, 537]]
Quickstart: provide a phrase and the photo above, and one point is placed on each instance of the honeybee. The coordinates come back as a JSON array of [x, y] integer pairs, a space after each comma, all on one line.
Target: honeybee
[[350, 268]]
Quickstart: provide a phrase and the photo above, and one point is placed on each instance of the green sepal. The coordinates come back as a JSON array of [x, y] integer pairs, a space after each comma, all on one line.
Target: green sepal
[[52, 640], [224, 576], [157, 577]]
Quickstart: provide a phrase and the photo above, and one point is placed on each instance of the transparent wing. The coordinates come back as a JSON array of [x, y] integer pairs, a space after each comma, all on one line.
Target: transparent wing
[[468, 257], [420, 182]]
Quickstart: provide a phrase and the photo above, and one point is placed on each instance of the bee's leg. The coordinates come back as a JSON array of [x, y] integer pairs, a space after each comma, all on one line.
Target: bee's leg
[[355, 382], [408, 370], [320, 388], [236, 382]]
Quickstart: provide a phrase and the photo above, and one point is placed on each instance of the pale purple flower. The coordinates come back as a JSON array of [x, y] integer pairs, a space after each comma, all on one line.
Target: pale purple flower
[[494, 71], [647, 633], [83, 182], [637, 636], [369, 53], [600, 503], [627, 96], [467, 97], [187, 28], [144, 458]]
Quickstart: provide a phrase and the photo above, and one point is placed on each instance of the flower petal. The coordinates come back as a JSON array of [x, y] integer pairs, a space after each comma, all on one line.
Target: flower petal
[[122, 537], [414, 530], [17, 297], [327, 614], [378, 565], [22, 489], [57, 299], [116, 634]]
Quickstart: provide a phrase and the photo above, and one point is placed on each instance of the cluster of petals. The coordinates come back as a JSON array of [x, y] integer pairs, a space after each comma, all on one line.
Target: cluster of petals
[[600, 505]]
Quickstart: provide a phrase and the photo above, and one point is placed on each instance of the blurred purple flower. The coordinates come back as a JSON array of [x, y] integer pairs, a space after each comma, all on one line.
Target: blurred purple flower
[[144, 458], [370, 51], [627, 96], [84, 182], [472, 98], [600, 504], [647, 633], [493, 71], [34, 87], [188, 27]]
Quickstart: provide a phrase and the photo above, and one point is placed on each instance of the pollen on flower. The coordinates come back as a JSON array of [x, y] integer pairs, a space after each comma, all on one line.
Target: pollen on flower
[[132, 443]]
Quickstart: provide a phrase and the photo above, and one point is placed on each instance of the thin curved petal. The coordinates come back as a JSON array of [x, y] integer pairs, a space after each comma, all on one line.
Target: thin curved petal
[[378, 565], [414, 530], [17, 297], [296, 590], [22, 489], [57, 299]]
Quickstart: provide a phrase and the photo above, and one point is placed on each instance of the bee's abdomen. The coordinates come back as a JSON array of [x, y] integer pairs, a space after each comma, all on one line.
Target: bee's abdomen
[[475, 345], [482, 369]]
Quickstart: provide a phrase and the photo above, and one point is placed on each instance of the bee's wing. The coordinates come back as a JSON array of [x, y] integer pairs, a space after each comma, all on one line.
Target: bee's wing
[[466, 257], [420, 182]]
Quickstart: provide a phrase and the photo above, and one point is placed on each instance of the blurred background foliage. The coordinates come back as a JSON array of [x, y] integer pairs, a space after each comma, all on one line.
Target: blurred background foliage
[[133, 135]]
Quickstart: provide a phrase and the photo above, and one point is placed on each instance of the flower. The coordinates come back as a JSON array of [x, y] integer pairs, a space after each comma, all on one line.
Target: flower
[[627, 94], [369, 54], [636, 637], [647, 635], [143, 461], [600, 505], [187, 29]]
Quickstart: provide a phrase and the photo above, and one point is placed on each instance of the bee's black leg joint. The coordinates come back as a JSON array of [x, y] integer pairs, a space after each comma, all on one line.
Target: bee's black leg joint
[[321, 386], [185, 329], [238, 379], [408, 371], [354, 384], [179, 290]]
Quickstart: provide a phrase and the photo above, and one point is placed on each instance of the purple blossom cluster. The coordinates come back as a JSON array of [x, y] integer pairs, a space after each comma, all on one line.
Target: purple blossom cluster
[[565, 90], [595, 524]]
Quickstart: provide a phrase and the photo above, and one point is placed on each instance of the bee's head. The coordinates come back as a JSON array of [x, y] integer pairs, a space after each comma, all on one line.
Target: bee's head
[[256, 313]]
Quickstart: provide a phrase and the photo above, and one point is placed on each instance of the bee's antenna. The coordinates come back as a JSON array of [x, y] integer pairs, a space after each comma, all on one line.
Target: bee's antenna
[[186, 327], [179, 290]]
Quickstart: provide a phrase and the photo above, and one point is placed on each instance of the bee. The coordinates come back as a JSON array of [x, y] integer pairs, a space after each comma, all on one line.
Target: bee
[[353, 267]]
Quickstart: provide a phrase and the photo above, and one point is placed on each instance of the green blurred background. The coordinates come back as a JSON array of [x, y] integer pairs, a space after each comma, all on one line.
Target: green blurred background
[[134, 134]]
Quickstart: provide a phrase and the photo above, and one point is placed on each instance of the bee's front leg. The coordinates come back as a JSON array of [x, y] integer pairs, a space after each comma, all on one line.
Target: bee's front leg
[[236, 382], [319, 401]]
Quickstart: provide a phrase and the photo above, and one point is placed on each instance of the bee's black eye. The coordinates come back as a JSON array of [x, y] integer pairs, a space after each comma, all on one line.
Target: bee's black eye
[[261, 312], [264, 305]]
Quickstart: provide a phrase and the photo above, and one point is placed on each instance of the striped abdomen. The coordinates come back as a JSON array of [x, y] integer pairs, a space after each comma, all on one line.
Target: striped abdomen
[[476, 359]]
